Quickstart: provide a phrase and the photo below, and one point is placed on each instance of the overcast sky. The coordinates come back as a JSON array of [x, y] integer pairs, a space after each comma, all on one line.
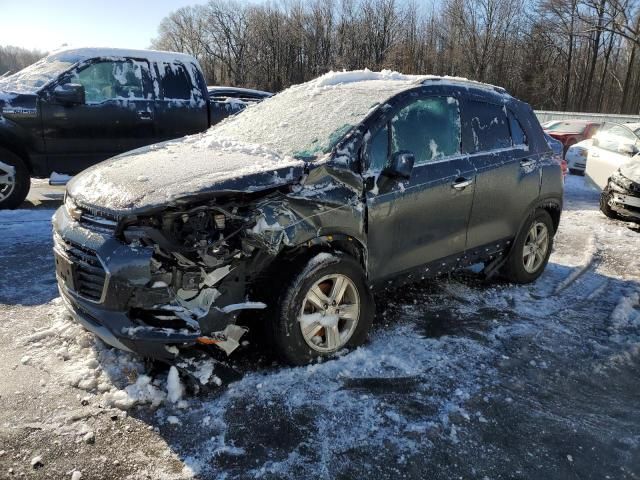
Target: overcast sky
[[47, 24]]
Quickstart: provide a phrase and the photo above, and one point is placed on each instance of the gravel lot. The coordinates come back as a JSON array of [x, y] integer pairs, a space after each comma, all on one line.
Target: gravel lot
[[460, 379]]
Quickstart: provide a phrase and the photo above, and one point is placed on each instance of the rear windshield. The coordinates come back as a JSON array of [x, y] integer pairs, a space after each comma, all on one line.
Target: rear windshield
[[567, 127]]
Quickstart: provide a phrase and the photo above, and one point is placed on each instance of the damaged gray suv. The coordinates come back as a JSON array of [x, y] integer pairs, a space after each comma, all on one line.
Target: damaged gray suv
[[298, 210]]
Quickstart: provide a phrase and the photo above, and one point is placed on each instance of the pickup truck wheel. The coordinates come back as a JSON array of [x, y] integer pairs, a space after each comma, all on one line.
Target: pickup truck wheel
[[327, 307], [15, 180], [531, 249]]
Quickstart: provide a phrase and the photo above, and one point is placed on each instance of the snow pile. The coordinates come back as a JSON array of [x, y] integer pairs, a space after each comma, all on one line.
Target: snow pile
[[626, 315], [83, 361], [336, 78]]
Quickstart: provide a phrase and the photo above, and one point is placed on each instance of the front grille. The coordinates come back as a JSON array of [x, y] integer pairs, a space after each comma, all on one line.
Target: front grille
[[94, 219], [88, 273], [95, 222]]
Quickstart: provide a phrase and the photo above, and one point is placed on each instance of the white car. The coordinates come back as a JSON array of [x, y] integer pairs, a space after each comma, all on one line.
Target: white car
[[576, 156], [613, 146]]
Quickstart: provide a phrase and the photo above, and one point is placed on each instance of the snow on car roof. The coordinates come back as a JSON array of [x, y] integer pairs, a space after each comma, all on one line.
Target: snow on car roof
[[74, 55], [337, 78]]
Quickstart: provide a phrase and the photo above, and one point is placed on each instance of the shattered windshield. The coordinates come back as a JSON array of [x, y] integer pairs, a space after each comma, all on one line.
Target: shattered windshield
[[36, 76], [307, 120]]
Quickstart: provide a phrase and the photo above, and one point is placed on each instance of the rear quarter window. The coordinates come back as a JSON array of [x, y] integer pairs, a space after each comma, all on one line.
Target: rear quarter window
[[484, 127], [518, 136]]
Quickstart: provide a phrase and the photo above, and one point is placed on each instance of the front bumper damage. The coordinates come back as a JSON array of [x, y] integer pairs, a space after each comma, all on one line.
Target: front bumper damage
[[624, 197], [110, 288]]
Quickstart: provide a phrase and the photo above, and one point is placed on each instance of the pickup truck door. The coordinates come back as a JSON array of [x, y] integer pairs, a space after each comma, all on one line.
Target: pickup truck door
[[423, 219], [182, 105], [117, 116]]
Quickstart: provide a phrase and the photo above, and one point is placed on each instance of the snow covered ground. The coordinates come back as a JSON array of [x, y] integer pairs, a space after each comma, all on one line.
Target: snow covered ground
[[460, 379]]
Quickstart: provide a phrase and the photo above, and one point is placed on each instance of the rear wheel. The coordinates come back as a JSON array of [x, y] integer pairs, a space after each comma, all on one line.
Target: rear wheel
[[605, 198], [531, 249], [325, 308], [15, 180]]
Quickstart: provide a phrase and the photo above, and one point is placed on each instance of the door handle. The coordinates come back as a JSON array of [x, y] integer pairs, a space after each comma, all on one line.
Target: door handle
[[461, 183], [144, 115]]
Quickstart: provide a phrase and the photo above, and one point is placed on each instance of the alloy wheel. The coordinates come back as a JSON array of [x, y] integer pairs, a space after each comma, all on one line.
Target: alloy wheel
[[330, 313], [7, 180], [535, 247]]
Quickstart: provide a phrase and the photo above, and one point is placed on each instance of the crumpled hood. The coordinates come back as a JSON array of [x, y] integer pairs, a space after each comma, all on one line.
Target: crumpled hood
[[166, 172], [631, 169]]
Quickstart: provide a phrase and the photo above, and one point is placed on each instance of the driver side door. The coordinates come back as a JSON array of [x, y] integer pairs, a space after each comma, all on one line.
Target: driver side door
[[117, 115], [421, 221]]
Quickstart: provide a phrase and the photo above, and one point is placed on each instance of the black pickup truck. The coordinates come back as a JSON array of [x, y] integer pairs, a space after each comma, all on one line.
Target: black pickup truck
[[78, 107]]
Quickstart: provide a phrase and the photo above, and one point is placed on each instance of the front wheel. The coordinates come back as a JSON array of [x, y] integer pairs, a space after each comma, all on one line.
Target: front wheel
[[15, 180], [531, 249], [325, 308]]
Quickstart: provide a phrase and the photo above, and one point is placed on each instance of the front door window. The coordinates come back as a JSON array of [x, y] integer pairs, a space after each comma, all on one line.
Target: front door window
[[110, 80]]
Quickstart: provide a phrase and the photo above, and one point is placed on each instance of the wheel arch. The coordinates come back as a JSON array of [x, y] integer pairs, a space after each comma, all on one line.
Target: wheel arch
[[18, 150]]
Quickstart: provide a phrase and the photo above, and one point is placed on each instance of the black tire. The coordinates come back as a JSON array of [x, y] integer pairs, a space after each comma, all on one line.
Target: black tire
[[514, 268], [288, 339], [605, 196], [12, 195]]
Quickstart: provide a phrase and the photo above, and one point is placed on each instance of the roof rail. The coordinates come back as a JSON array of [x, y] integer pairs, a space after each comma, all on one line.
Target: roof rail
[[461, 81]]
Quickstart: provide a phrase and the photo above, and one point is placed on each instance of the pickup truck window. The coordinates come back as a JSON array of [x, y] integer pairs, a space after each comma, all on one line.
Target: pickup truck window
[[110, 80], [175, 83]]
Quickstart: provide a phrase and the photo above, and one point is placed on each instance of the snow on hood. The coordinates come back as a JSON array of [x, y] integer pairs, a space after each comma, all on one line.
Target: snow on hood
[[631, 169], [166, 172]]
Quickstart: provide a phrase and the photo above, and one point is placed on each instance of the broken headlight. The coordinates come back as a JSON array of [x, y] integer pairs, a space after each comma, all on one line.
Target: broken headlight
[[73, 210], [619, 182]]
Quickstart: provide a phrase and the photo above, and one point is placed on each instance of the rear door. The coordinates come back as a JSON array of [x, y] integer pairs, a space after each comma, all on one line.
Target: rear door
[[182, 107], [508, 173], [417, 221], [117, 115]]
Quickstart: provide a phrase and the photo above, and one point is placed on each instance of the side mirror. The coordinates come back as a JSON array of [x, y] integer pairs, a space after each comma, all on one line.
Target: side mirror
[[69, 94], [628, 149], [401, 165]]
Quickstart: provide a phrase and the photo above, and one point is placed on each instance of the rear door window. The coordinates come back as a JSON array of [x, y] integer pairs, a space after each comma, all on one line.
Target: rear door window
[[484, 127], [175, 83]]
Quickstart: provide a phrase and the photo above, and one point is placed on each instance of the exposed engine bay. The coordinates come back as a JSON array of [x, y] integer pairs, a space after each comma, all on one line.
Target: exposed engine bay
[[199, 269]]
